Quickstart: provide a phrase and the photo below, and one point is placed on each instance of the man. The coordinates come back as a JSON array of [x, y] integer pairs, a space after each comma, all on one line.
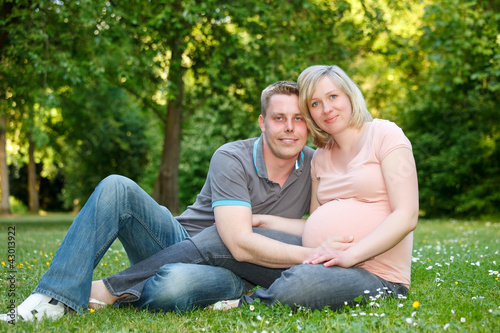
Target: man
[[265, 175]]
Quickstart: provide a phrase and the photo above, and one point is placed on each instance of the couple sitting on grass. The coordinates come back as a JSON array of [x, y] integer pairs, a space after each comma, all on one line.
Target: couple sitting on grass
[[359, 186]]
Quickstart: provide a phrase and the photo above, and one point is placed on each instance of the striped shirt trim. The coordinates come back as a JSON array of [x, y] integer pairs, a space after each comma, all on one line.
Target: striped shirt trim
[[231, 203]]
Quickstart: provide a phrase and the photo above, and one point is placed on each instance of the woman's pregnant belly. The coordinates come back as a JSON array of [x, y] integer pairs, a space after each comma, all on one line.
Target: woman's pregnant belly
[[343, 217]]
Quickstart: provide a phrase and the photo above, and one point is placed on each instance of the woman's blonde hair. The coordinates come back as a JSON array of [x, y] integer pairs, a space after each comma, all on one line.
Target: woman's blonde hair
[[308, 80]]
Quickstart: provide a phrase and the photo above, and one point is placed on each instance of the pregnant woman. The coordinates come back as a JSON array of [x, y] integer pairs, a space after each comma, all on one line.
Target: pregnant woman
[[364, 185]]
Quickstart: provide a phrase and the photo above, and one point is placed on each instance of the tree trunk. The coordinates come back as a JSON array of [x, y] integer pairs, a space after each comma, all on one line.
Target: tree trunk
[[166, 190], [33, 202], [4, 169], [5, 10]]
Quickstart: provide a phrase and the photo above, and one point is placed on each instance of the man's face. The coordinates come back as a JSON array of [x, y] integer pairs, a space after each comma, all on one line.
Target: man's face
[[284, 128]]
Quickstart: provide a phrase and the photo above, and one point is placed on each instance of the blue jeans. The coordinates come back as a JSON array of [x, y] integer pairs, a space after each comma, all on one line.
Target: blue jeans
[[204, 249], [317, 286], [119, 208], [180, 287], [312, 286]]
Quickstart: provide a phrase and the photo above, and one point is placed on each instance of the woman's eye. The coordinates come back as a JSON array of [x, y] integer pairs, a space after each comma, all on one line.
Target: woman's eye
[[315, 104], [333, 96]]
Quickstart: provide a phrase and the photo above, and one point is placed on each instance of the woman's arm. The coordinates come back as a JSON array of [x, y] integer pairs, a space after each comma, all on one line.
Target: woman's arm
[[400, 176], [314, 197]]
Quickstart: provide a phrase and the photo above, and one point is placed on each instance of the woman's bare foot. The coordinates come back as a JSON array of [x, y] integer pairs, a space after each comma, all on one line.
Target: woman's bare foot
[[101, 297]]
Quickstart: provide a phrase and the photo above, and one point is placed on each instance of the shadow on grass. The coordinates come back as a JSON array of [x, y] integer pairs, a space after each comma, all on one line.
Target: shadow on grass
[[48, 218]]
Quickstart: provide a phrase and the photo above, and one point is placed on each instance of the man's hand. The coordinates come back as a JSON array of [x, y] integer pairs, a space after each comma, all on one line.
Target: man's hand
[[291, 226], [332, 252], [330, 257], [257, 221]]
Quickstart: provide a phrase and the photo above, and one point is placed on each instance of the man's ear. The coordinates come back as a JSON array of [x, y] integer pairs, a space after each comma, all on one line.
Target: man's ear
[[261, 124]]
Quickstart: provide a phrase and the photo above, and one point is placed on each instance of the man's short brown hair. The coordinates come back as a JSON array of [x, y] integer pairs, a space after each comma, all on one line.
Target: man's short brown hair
[[279, 88]]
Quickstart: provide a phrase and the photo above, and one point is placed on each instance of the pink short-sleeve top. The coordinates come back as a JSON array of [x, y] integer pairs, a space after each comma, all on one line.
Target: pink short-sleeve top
[[354, 201]]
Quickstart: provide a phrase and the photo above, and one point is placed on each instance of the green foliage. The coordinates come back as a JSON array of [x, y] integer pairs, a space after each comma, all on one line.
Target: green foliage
[[432, 66], [207, 129], [106, 136], [451, 114], [254, 49], [16, 206]]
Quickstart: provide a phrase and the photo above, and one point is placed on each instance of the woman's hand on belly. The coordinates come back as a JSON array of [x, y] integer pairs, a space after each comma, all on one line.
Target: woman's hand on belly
[[340, 243]]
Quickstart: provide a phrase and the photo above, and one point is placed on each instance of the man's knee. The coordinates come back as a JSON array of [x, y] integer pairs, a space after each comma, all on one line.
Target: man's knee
[[115, 180], [180, 287]]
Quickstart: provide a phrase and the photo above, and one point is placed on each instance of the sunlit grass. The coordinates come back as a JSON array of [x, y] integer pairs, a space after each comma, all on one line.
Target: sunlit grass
[[455, 287]]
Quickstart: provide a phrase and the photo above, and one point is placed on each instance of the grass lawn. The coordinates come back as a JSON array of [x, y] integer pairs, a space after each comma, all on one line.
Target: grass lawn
[[455, 287]]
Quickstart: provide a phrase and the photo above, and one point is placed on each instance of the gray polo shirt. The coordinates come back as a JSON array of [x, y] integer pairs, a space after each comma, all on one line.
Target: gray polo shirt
[[238, 176]]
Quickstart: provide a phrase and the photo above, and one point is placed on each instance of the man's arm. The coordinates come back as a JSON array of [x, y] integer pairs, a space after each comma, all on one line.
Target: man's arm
[[291, 226], [234, 225]]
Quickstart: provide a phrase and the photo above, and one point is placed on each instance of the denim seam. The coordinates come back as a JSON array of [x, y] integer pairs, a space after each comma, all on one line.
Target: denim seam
[[106, 246], [148, 230], [135, 295], [223, 256]]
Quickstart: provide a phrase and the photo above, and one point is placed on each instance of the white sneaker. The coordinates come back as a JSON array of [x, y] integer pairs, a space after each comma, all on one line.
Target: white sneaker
[[225, 305], [36, 307]]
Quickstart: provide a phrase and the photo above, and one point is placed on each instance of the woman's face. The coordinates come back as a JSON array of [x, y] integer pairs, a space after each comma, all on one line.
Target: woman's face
[[330, 107]]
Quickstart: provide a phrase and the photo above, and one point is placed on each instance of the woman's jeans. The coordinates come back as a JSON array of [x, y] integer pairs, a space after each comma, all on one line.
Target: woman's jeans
[[313, 286], [119, 208], [317, 286]]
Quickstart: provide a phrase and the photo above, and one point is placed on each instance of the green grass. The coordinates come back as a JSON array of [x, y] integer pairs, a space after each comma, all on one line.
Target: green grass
[[455, 279]]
